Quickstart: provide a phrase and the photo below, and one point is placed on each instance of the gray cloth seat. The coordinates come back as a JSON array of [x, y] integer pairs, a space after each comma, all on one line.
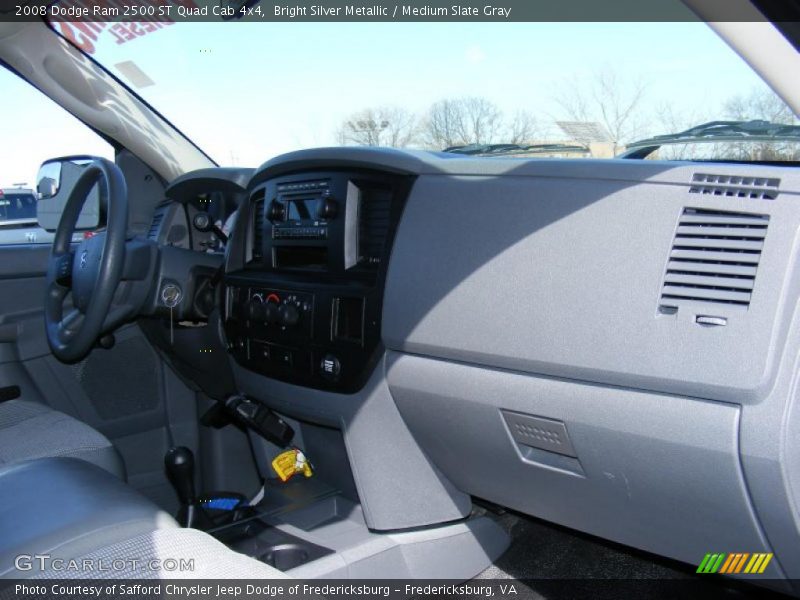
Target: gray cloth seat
[[31, 430], [91, 525]]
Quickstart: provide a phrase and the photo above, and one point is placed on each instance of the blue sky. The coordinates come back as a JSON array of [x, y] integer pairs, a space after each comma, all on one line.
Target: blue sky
[[246, 92]]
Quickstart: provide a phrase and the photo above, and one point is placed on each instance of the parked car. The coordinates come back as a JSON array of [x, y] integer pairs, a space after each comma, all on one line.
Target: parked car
[[18, 218], [18, 223]]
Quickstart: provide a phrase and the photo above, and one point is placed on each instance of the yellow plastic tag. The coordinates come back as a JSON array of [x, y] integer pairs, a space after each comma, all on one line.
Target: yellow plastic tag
[[290, 463]]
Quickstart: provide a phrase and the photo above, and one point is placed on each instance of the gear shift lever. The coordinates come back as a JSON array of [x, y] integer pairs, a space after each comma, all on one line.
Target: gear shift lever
[[179, 462]]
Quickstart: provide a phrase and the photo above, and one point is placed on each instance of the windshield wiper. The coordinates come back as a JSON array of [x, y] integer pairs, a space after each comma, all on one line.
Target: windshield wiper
[[717, 131], [511, 149]]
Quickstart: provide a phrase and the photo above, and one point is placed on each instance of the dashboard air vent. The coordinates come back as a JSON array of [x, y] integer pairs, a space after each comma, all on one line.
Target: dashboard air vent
[[374, 224], [735, 186], [258, 229], [714, 257], [155, 224]]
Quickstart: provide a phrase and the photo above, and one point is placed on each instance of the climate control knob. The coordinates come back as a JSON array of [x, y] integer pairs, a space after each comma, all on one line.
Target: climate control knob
[[289, 315], [271, 313]]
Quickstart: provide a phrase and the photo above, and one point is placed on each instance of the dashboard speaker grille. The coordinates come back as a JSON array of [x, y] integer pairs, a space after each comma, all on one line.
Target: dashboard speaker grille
[[735, 186], [714, 257]]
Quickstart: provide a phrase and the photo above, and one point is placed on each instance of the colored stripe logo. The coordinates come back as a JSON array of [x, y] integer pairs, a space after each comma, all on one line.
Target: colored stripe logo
[[737, 562]]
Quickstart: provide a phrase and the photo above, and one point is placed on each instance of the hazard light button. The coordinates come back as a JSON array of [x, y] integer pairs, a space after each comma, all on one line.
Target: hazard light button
[[330, 367]]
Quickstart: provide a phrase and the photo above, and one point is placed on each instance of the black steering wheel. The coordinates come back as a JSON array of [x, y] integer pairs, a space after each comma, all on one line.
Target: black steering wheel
[[92, 272]]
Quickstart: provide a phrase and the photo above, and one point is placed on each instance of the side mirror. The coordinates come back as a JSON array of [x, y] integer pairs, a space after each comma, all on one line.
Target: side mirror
[[48, 187], [54, 183], [48, 180]]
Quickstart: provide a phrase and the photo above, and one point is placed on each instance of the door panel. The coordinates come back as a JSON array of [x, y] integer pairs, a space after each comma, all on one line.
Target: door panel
[[127, 392], [21, 296]]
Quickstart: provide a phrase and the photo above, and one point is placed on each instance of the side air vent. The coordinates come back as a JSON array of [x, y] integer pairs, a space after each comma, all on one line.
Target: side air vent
[[155, 224], [258, 229], [714, 257], [735, 186], [374, 224]]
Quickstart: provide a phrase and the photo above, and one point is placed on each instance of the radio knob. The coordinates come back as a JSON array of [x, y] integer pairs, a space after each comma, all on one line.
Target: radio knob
[[256, 311], [289, 315], [328, 209], [276, 211]]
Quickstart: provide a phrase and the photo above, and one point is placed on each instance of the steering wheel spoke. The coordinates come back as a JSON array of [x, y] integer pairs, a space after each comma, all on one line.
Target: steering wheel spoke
[[70, 324], [63, 268]]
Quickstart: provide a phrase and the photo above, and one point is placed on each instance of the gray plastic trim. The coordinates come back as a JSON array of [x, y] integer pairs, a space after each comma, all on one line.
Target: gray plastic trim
[[456, 551], [418, 162], [533, 286], [659, 473], [397, 484], [563, 277]]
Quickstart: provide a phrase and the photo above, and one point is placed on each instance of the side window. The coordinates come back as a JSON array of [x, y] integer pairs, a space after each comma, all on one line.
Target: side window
[[34, 129]]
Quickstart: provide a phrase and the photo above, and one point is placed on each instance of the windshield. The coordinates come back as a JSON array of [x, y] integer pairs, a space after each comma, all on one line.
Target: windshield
[[245, 92]]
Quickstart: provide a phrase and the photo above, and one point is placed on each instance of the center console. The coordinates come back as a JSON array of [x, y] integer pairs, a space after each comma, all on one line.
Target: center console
[[303, 296]]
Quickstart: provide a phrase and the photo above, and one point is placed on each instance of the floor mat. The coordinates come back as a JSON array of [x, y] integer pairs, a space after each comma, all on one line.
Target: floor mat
[[556, 563]]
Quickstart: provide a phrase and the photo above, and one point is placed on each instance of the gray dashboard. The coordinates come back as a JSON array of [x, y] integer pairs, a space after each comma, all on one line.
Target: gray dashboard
[[564, 276], [605, 344]]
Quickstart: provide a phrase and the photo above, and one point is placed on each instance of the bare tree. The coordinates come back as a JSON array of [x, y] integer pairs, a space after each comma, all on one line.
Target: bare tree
[[671, 119], [608, 98], [573, 97], [760, 104], [481, 120], [382, 126], [522, 128], [442, 125], [462, 121]]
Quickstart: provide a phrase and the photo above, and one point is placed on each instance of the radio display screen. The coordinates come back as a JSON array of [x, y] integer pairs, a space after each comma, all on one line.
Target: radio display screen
[[303, 209]]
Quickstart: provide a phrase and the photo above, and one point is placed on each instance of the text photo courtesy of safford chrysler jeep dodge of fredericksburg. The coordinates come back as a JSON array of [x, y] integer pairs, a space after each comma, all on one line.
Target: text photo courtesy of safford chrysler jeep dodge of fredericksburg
[[354, 299]]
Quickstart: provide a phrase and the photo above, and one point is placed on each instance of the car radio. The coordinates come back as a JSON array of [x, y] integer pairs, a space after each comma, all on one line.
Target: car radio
[[305, 304], [308, 225], [301, 211]]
